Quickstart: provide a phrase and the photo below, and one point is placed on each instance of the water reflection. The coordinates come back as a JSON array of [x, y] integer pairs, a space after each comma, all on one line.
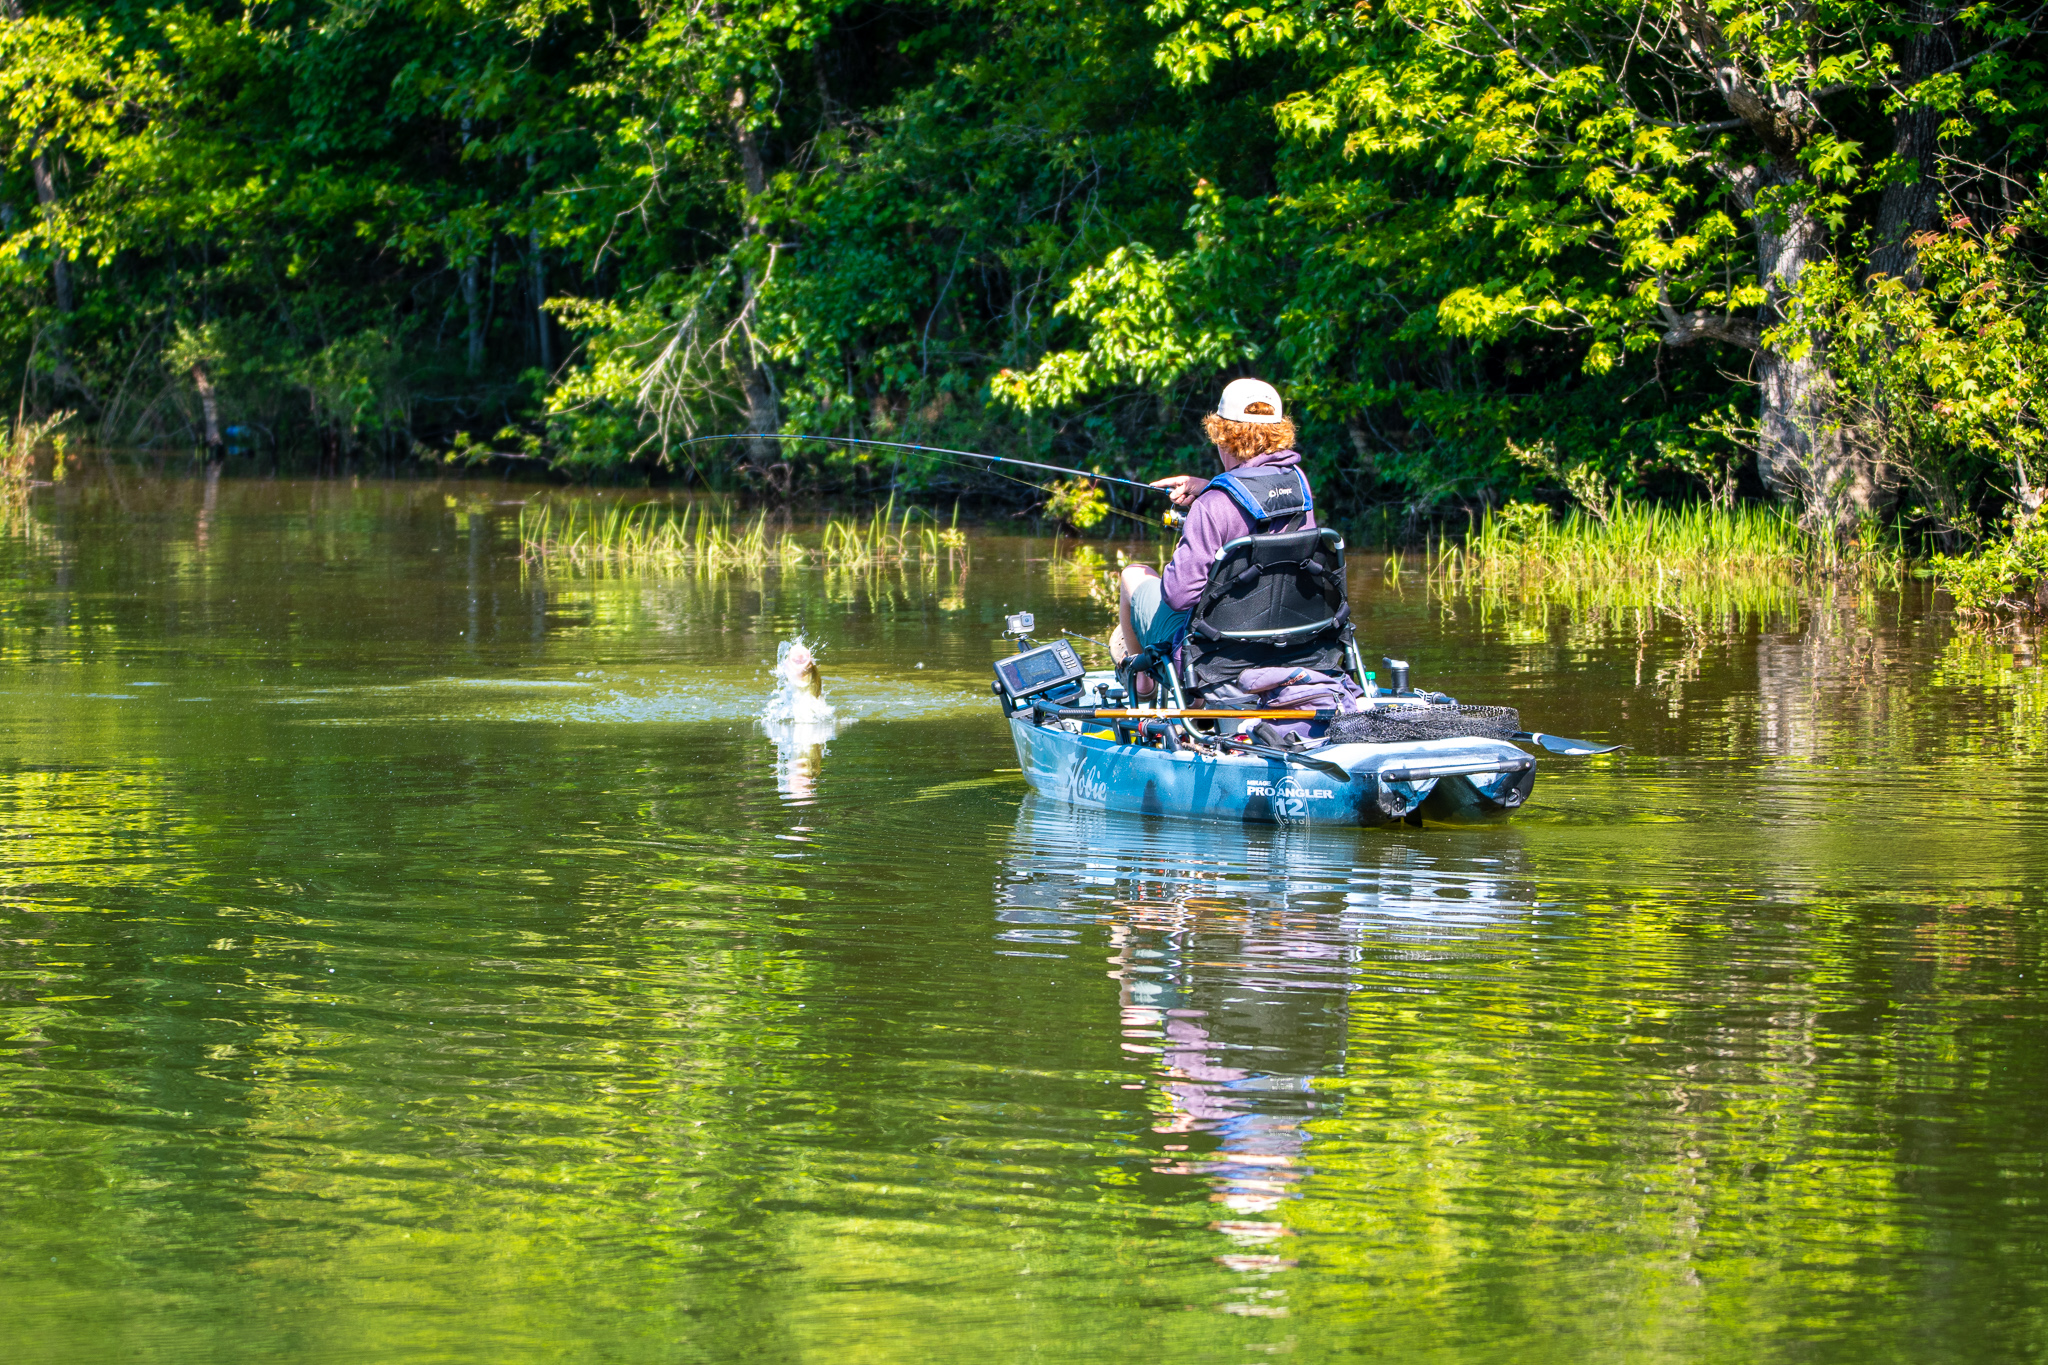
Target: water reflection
[[1235, 952], [468, 942], [799, 756]]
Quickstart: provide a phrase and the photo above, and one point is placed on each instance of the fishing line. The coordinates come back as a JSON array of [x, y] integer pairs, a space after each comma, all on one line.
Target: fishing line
[[935, 450], [944, 451], [1138, 517]]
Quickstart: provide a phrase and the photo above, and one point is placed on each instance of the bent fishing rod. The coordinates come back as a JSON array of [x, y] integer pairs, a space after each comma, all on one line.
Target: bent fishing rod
[[933, 450]]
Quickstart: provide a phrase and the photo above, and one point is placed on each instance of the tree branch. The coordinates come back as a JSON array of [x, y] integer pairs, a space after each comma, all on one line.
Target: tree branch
[[1976, 57], [1684, 329]]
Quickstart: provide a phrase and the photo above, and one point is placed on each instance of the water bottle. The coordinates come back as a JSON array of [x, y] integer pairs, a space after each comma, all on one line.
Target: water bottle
[[1372, 687]]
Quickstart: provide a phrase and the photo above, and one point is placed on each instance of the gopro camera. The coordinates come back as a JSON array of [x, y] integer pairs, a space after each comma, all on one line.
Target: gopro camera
[[1020, 623]]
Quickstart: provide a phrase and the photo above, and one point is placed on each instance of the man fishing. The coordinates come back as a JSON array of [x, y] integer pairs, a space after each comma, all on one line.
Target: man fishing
[[1251, 432]]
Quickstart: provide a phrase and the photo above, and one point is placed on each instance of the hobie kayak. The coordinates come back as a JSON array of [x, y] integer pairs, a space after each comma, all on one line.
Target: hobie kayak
[[1459, 779], [1368, 758], [1176, 762]]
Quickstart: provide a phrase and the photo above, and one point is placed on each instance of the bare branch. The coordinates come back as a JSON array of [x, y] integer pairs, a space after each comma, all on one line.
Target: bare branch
[[1976, 57], [1506, 44]]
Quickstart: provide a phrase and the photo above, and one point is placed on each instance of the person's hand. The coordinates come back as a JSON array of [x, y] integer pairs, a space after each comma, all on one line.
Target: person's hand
[[1183, 488]]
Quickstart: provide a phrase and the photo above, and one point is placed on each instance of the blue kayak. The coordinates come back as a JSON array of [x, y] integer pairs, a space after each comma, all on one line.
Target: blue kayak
[[1459, 780]]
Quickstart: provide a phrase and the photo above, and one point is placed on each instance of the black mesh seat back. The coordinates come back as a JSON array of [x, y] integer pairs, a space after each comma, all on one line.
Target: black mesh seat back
[[1272, 601]]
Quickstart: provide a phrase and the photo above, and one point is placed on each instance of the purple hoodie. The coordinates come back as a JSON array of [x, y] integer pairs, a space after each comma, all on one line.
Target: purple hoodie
[[1213, 522]]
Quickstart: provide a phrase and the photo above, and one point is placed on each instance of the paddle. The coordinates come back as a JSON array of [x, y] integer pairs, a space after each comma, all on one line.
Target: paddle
[[1558, 744], [1285, 756]]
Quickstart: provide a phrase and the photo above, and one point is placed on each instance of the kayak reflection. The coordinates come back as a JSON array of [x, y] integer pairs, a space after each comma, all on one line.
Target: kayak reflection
[[1235, 951]]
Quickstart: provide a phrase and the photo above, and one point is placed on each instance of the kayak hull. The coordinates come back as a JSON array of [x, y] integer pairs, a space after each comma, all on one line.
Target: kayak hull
[[1453, 780]]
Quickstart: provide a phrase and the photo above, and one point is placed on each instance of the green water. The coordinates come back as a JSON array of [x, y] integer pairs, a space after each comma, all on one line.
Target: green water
[[404, 957]]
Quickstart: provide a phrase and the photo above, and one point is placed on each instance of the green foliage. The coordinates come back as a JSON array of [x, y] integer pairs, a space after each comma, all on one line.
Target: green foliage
[[1079, 503], [1945, 371], [73, 95], [2009, 574], [1503, 222], [1451, 233]]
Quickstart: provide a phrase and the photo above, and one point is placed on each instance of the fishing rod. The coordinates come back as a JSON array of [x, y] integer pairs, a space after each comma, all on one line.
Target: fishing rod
[[934, 450]]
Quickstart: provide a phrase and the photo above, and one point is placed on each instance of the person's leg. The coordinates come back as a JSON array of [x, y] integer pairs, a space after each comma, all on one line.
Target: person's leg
[[1132, 576], [1144, 617], [1132, 581]]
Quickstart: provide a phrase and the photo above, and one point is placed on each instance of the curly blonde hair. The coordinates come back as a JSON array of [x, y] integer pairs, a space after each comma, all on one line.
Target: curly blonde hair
[[1249, 440]]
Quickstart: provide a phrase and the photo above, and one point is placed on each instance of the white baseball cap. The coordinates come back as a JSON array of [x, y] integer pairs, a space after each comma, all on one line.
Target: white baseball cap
[[1249, 400]]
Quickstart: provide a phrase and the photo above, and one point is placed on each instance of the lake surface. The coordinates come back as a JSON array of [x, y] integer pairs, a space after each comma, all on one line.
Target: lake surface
[[406, 955]]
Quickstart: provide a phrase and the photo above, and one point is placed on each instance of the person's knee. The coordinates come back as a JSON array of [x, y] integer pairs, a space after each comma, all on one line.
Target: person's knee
[[1135, 574]]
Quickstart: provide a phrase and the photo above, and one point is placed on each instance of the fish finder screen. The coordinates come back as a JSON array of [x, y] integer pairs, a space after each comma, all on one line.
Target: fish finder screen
[[1035, 670], [1040, 668]]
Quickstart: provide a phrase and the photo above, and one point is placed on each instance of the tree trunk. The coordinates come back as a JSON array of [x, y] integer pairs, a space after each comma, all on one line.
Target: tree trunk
[[475, 307], [537, 263], [542, 334], [60, 268], [1905, 210], [215, 447], [1805, 448], [757, 385], [1804, 454]]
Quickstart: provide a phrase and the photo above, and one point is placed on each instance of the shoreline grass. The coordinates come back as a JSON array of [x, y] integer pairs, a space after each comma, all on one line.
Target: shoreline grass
[[887, 538], [1696, 563], [1645, 541], [649, 534], [708, 536]]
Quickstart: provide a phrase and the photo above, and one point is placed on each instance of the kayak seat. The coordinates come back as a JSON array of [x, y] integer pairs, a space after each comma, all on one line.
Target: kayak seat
[[1272, 601]]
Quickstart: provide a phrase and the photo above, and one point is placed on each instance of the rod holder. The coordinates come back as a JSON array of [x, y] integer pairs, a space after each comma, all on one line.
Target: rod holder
[[1165, 731]]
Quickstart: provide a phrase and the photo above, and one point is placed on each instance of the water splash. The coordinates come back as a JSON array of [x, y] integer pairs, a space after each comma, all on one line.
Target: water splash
[[799, 688]]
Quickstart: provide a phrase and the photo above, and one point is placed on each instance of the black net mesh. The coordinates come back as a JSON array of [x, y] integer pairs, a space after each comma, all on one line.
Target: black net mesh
[[1406, 724]]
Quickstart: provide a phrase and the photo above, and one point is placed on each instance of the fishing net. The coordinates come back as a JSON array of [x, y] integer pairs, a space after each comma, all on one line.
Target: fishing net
[[1406, 724]]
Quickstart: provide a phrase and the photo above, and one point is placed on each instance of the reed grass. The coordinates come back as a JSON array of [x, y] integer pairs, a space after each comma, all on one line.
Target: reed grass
[[707, 536], [1647, 541], [1697, 563], [1634, 541], [702, 535], [18, 445], [889, 537], [882, 539]]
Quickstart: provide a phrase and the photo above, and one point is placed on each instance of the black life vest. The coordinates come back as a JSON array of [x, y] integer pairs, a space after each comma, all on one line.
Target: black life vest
[[1275, 597]]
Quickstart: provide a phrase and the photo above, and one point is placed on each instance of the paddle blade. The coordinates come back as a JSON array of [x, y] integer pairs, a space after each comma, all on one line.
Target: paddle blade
[[1570, 748], [1323, 766]]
